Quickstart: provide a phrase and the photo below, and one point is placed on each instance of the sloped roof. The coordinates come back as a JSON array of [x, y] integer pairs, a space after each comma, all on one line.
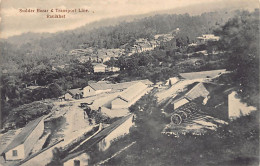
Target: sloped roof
[[198, 91], [146, 82], [24, 134], [119, 86], [74, 91], [122, 86], [100, 86], [202, 74], [130, 93], [97, 138]]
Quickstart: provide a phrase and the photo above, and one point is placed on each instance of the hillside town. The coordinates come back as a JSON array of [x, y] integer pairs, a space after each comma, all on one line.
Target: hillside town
[[154, 95]]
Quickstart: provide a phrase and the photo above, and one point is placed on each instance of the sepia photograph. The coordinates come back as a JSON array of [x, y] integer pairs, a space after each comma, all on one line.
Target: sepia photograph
[[129, 82]]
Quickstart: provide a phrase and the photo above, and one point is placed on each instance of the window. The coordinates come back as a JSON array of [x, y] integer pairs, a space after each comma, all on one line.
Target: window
[[76, 163], [14, 152]]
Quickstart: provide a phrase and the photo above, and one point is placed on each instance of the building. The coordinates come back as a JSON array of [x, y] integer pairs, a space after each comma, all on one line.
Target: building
[[236, 108], [129, 96], [24, 142], [96, 88], [112, 69], [99, 68], [125, 124], [206, 38], [103, 141], [199, 90], [202, 74], [33, 87], [73, 94]]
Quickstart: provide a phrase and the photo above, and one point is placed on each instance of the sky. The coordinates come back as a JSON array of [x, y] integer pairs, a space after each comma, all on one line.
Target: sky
[[13, 22]]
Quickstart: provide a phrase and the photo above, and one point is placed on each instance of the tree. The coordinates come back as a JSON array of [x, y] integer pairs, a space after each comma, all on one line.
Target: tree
[[240, 39]]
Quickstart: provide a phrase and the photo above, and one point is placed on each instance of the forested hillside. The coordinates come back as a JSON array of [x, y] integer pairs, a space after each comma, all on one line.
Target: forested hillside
[[58, 45]]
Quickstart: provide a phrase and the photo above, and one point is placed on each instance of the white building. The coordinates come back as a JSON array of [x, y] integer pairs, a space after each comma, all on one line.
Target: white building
[[236, 108], [113, 132], [99, 68], [96, 88], [24, 142], [207, 37], [117, 133], [129, 96]]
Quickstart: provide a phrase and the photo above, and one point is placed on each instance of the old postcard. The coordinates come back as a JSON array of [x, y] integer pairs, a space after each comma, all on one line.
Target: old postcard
[[129, 82]]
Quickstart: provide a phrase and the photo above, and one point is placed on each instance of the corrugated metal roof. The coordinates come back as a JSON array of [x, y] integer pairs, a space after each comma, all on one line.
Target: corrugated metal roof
[[24, 134]]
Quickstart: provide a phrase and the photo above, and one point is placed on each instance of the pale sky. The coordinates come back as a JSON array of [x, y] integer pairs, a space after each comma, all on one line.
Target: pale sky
[[14, 23]]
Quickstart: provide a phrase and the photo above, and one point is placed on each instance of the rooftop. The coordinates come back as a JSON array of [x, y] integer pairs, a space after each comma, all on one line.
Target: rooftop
[[75, 91], [23, 135], [202, 74], [130, 93]]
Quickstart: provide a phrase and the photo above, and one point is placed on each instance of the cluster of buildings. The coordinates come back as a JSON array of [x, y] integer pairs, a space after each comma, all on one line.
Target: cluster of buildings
[[142, 44], [201, 104], [95, 88], [96, 55], [196, 107]]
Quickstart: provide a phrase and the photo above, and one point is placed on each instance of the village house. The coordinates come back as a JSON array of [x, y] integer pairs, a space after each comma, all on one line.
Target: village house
[[99, 68], [129, 96], [206, 38], [73, 94], [24, 142]]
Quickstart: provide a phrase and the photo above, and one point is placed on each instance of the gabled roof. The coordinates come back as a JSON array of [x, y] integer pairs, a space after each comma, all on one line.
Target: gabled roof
[[74, 91], [130, 93], [118, 86], [100, 86], [24, 134], [97, 138], [198, 91], [202, 74]]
